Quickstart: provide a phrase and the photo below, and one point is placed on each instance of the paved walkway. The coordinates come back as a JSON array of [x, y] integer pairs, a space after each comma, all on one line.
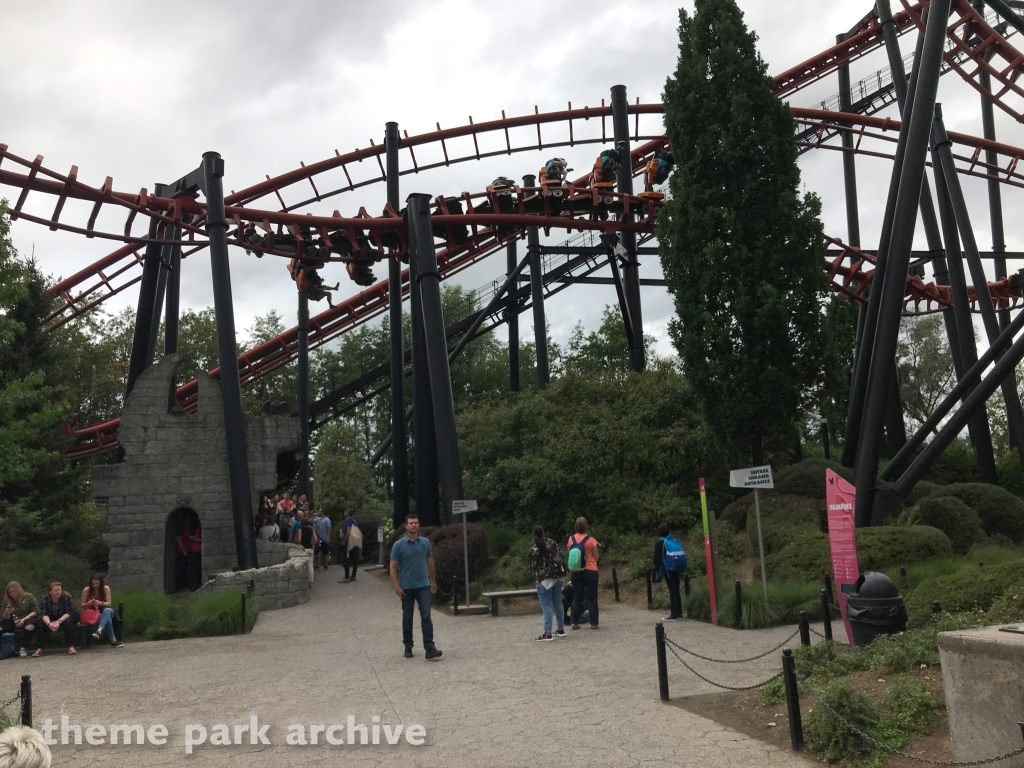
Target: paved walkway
[[496, 698]]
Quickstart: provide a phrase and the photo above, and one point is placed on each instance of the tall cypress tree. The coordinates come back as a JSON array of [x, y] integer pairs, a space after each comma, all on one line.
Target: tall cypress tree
[[740, 247]]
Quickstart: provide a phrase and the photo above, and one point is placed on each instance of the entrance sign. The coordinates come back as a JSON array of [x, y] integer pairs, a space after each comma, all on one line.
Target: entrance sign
[[708, 554], [756, 478], [840, 498], [751, 477], [463, 507]]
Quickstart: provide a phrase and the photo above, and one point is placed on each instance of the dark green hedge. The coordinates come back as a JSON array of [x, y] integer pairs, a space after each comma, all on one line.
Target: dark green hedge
[[954, 518], [969, 589], [1001, 512]]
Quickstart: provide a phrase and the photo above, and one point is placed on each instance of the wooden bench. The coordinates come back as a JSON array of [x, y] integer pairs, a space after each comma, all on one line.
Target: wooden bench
[[494, 597]]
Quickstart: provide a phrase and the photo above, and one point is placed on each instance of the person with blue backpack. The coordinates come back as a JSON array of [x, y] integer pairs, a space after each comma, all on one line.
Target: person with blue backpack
[[582, 566], [670, 563]]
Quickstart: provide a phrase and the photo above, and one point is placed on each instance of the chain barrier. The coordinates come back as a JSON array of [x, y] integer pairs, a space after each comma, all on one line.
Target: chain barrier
[[732, 661], [892, 750], [721, 685], [16, 720]]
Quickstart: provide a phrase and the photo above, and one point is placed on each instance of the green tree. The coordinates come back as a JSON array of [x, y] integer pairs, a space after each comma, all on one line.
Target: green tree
[[605, 349], [740, 247], [925, 366]]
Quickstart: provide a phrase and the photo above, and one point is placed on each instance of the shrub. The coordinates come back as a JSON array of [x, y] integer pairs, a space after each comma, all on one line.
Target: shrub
[[783, 517], [957, 464], [499, 538], [954, 518], [1011, 473], [755, 612], [449, 555], [971, 588], [736, 512], [513, 570], [787, 600], [807, 478], [922, 489], [908, 710], [828, 735], [142, 610], [805, 558], [34, 569], [1001, 512]]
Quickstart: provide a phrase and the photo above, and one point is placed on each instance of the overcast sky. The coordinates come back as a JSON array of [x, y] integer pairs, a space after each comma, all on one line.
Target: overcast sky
[[138, 91]]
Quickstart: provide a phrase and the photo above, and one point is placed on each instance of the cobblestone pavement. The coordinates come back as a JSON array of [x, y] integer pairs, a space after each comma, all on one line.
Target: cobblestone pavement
[[496, 698]]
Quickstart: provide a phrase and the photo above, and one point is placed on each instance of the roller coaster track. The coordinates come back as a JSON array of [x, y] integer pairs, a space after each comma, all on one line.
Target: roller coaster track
[[971, 39]]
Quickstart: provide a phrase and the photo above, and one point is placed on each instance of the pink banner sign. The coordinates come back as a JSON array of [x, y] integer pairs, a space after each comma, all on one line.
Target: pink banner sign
[[842, 539]]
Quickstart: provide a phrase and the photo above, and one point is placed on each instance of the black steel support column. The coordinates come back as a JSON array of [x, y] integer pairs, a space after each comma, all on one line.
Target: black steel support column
[[171, 314], [512, 313], [1014, 411], [540, 329], [967, 354], [137, 363], [399, 441], [631, 267], [231, 391], [914, 134], [862, 362], [421, 250], [302, 382], [849, 158], [995, 191], [428, 501]]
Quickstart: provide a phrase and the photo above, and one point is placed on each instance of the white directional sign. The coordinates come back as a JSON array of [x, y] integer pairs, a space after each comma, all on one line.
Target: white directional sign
[[751, 477], [460, 506]]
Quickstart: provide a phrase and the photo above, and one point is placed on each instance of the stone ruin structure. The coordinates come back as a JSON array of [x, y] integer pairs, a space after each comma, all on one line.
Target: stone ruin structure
[[175, 468]]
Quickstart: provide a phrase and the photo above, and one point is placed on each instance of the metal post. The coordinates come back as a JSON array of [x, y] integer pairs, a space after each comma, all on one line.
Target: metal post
[[828, 589], [805, 629], [796, 728], [631, 268], [914, 134], [1014, 410], [760, 542], [231, 392], [302, 376], [849, 158], [615, 584], [686, 584], [650, 592], [399, 440], [455, 595], [826, 614], [825, 447], [171, 313], [243, 613], [739, 605], [512, 313], [936, 606], [144, 311], [981, 436], [995, 192], [158, 298], [868, 319], [659, 640], [26, 701], [421, 248], [424, 436], [540, 331]]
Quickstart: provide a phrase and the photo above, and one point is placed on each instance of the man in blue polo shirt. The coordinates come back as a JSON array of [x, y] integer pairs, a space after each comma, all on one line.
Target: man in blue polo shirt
[[412, 576]]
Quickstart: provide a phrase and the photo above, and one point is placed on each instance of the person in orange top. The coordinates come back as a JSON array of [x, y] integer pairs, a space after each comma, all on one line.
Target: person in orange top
[[585, 581]]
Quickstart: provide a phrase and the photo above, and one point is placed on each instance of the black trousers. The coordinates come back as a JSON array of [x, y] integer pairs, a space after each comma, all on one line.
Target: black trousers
[[67, 627], [352, 562], [675, 601], [584, 583]]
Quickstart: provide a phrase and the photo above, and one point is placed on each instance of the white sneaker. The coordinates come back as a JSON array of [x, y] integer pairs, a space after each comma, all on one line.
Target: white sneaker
[[670, 618]]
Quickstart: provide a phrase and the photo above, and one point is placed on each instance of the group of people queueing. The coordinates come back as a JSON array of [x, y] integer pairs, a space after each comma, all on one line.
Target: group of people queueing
[[24, 621], [579, 597]]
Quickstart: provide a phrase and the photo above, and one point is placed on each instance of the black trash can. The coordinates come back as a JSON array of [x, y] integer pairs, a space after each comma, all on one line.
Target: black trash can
[[875, 608]]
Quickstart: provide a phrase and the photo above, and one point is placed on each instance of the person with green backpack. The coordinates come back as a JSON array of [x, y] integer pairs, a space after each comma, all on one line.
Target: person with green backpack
[[670, 563], [582, 567]]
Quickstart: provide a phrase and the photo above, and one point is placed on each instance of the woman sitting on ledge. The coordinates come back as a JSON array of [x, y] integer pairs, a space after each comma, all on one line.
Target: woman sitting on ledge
[[96, 610]]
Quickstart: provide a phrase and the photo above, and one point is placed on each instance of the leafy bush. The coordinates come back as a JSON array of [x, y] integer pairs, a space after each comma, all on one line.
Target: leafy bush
[[34, 569], [499, 538], [807, 478], [951, 516], [142, 610], [804, 559], [783, 517], [922, 489], [1001, 512], [971, 588], [787, 600], [449, 554], [736, 512], [219, 613], [957, 464], [1011, 473], [908, 710], [513, 570], [755, 612], [828, 735]]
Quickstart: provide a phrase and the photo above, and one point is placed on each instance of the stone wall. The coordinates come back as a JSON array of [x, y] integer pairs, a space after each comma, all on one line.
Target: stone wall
[[279, 584], [178, 462]]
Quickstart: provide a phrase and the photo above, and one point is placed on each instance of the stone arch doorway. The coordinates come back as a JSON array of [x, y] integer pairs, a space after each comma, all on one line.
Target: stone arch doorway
[[182, 551]]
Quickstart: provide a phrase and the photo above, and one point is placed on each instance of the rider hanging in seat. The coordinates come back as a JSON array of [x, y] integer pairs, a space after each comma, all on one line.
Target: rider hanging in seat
[[554, 172], [657, 171], [606, 167], [309, 282]]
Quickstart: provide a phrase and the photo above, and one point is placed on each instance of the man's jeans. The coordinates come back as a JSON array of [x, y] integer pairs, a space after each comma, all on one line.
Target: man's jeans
[[413, 596], [675, 601], [551, 603]]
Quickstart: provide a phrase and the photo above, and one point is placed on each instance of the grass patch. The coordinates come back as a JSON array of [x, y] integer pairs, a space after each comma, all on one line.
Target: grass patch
[[34, 569]]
